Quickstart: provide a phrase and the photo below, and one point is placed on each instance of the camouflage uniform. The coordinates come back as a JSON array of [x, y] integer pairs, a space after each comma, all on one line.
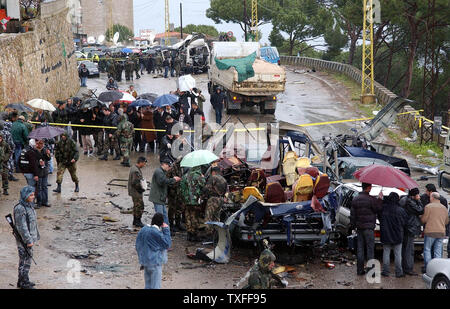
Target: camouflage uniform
[[261, 274], [215, 189], [158, 64], [5, 155], [191, 186], [65, 151], [175, 202], [136, 191], [125, 133], [26, 223], [110, 67], [136, 68], [6, 132], [129, 67]]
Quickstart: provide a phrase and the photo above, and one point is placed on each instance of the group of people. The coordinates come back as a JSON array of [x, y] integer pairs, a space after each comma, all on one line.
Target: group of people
[[401, 221]]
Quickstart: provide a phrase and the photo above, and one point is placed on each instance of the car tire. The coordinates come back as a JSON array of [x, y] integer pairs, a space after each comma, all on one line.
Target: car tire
[[441, 282]]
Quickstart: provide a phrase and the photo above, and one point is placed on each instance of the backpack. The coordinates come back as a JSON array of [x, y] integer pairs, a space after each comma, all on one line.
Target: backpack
[[24, 163]]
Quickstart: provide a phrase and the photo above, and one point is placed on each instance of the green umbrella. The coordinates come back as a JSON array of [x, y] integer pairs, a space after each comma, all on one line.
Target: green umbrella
[[198, 157]]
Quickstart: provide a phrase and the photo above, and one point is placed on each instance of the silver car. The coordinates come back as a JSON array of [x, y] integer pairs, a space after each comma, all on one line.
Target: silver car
[[437, 275]]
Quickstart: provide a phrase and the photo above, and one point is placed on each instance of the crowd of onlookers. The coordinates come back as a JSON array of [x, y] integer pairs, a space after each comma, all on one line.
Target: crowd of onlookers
[[401, 223]]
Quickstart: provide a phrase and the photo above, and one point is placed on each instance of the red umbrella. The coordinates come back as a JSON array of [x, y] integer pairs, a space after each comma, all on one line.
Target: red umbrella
[[386, 176]]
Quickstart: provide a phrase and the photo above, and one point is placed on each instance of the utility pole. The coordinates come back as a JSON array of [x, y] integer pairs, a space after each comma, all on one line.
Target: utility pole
[[167, 23], [245, 20], [367, 77], [181, 20], [255, 19]]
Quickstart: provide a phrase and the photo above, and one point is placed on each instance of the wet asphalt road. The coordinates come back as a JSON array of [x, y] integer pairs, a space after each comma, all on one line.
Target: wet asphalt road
[[74, 226]]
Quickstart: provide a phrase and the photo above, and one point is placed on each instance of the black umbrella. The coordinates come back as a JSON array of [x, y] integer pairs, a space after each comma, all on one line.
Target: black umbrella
[[148, 96], [20, 107], [91, 103], [110, 96]]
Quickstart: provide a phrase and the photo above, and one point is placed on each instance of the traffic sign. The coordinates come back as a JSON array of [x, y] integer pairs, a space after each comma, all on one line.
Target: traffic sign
[[230, 34]]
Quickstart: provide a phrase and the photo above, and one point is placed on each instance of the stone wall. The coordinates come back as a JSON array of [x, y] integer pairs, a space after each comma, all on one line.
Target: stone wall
[[408, 122], [39, 63]]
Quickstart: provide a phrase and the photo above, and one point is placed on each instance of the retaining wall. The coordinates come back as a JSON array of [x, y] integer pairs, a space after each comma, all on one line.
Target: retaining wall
[[39, 63]]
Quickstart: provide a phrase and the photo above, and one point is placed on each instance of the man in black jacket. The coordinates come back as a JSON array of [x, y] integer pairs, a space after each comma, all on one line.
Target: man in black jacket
[[392, 224], [363, 216], [414, 208], [83, 73], [111, 119]]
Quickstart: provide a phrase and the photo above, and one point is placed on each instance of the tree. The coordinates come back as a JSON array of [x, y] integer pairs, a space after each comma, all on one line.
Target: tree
[[301, 20], [205, 29], [232, 11], [125, 33], [336, 40], [275, 38]]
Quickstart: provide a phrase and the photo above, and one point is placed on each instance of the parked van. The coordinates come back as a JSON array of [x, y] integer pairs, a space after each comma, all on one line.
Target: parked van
[[270, 54]]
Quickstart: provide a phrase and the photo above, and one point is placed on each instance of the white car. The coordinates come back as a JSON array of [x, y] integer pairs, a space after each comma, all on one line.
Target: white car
[[437, 275], [345, 194]]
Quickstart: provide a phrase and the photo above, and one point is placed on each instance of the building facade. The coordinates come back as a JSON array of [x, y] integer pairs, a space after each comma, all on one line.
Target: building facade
[[99, 15]]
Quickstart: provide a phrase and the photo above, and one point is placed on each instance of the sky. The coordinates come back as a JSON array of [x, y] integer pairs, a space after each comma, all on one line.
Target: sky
[[149, 14]]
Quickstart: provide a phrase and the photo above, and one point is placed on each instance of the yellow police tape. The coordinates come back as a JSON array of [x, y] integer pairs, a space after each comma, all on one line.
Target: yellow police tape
[[244, 130]]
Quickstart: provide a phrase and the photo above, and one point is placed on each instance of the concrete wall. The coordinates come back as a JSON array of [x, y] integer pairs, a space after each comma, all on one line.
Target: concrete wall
[[96, 15], [407, 122], [33, 65]]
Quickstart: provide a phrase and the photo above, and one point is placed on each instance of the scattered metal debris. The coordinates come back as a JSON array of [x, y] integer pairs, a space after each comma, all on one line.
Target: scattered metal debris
[[89, 255]]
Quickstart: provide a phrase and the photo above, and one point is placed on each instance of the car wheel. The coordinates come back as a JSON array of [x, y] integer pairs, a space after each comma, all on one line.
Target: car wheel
[[441, 283]]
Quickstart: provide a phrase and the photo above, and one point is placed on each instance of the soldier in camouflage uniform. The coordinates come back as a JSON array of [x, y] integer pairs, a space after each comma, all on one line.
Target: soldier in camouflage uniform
[[5, 130], [136, 68], [158, 64], [26, 224], [60, 115], [192, 186], [111, 68], [175, 202], [136, 191], [125, 133], [261, 273], [67, 155], [129, 68], [215, 189], [5, 155]]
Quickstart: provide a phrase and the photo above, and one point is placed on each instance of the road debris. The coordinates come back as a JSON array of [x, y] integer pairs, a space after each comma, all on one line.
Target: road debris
[[89, 255], [109, 219]]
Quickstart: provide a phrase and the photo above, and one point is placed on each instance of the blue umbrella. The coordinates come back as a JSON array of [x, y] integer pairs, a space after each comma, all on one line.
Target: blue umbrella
[[126, 50], [165, 100], [140, 103]]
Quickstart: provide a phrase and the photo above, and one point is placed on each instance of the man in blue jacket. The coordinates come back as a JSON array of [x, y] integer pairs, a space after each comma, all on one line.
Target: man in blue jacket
[[152, 243]]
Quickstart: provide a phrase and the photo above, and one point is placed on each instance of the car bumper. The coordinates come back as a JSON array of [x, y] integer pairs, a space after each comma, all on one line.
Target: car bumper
[[427, 280]]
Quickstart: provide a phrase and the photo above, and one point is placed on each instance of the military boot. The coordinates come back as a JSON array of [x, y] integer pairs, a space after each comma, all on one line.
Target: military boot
[[58, 189], [117, 157], [104, 158], [77, 188], [137, 222], [5, 192]]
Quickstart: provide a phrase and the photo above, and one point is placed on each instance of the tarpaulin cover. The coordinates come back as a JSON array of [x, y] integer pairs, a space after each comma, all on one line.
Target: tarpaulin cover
[[243, 66]]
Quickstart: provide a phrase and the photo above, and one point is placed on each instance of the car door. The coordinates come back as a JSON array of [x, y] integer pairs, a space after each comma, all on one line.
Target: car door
[[345, 198]]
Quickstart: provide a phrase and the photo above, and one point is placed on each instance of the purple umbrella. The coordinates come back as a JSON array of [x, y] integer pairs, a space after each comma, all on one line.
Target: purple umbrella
[[47, 132]]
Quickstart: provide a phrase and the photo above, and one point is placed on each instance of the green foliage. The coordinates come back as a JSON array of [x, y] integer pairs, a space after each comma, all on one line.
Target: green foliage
[[275, 38], [232, 11], [336, 40], [205, 29], [416, 148], [125, 33]]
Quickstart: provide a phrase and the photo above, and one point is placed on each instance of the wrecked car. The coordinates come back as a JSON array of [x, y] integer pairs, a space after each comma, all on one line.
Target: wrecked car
[[345, 193]]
